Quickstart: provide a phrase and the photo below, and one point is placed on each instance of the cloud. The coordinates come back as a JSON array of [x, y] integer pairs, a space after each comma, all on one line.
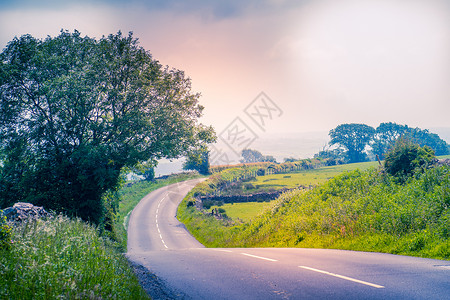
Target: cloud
[[324, 62], [211, 10]]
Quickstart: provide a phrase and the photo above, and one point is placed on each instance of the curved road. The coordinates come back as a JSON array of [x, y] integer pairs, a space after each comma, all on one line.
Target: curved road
[[159, 242]]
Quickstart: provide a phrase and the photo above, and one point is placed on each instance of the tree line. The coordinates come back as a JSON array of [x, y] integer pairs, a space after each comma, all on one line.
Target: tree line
[[360, 142]]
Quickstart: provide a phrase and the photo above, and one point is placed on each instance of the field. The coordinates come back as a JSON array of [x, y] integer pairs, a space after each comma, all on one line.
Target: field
[[244, 211], [363, 210], [307, 177], [247, 211]]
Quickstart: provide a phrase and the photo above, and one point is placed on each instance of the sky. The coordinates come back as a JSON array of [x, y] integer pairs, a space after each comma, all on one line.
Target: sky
[[275, 67]]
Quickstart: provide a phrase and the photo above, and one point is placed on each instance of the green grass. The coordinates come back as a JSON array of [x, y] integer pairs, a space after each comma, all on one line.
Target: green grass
[[244, 212], [444, 157], [249, 210], [62, 258], [307, 177], [357, 210]]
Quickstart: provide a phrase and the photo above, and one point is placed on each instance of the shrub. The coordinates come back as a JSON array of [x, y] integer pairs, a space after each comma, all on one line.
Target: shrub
[[5, 233], [406, 158], [249, 186]]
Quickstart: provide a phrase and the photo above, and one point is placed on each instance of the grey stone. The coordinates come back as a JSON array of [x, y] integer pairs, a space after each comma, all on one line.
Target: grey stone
[[444, 161], [22, 211]]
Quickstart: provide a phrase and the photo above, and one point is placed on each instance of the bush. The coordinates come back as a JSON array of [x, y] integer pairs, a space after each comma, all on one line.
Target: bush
[[249, 186], [5, 233], [358, 210], [406, 158]]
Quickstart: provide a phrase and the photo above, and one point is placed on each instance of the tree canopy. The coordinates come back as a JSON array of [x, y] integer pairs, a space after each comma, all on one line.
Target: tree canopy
[[354, 138], [198, 160], [358, 140], [388, 133], [385, 137], [252, 156], [75, 110]]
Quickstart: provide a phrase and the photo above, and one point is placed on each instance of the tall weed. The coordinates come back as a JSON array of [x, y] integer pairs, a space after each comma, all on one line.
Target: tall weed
[[61, 258]]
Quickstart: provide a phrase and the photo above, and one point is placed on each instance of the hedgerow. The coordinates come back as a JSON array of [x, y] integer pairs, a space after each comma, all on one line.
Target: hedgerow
[[359, 210]]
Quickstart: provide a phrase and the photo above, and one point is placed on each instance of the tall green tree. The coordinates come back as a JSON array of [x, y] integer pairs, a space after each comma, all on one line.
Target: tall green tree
[[353, 138], [424, 137], [198, 160], [387, 134], [385, 137], [75, 110], [252, 156]]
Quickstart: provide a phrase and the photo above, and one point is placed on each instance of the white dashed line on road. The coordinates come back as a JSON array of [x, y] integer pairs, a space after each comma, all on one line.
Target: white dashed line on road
[[156, 220], [344, 277], [260, 257]]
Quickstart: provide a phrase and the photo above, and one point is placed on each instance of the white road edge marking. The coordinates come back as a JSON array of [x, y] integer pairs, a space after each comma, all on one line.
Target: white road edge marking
[[344, 277], [260, 257], [222, 250]]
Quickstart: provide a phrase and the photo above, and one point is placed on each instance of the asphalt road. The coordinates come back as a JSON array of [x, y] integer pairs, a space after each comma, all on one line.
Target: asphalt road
[[159, 242]]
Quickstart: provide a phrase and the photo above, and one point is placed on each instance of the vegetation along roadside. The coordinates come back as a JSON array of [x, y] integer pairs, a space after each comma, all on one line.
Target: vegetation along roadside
[[369, 210], [77, 113], [64, 258]]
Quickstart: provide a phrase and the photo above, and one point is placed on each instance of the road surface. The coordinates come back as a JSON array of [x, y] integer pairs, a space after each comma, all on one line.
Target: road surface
[[159, 242]]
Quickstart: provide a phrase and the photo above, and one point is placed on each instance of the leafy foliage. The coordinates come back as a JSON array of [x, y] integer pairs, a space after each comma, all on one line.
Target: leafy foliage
[[426, 138], [333, 157], [354, 138], [5, 233], [74, 111], [388, 133], [357, 210], [198, 160], [359, 139], [385, 137], [253, 156], [145, 169], [407, 158]]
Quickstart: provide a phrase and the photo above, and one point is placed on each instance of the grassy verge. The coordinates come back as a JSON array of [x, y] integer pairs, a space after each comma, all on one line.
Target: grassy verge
[[62, 258], [131, 194], [357, 210]]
